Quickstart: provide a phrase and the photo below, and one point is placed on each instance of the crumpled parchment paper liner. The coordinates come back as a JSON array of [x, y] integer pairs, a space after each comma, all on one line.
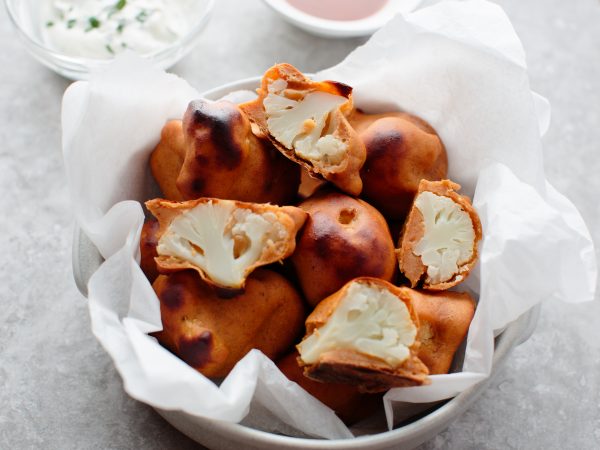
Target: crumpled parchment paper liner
[[460, 66]]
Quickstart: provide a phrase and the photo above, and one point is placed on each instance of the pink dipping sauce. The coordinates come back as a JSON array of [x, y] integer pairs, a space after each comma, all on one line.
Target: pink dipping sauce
[[339, 9]]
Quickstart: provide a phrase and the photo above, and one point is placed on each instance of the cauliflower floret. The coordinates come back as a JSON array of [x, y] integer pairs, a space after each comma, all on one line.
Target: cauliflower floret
[[449, 237], [305, 123], [369, 320], [224, 241]]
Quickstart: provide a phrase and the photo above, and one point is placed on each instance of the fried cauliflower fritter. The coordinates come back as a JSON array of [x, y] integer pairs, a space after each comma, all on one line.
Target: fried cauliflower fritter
[[365, 335], [401, 151], [444, 319], [214, 153], [343, 238], [223, 240], [438, 246], [212, 329], [307, 122]]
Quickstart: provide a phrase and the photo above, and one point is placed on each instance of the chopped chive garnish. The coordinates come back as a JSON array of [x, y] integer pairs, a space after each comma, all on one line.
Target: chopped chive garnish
[[142, 16], [71, 23], [109, 49], [93, 23], [49, 24], [124, 44], [117, 7], [121, 26]]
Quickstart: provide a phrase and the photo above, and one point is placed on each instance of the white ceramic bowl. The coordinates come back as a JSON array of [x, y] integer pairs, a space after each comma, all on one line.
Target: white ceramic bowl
[[23, 16], [432, 419], [338, 28]]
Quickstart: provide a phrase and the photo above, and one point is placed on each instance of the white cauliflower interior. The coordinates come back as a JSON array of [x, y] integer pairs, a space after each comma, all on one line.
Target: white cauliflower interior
[[304, 123], [222, 240], [449, 237], [369, 320]]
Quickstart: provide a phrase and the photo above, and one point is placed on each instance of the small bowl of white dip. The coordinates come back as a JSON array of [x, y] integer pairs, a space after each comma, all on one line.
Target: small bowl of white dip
[[74, 36]]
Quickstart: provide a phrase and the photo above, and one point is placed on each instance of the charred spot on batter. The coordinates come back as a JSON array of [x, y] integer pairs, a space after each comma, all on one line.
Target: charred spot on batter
[[383, 141], [343, 89], [197, 184], [379, 148], [325, 236], [358, 264], [201, 159], [219, 118], [227, 293], [372, 264], [173, 294], [196, 351]]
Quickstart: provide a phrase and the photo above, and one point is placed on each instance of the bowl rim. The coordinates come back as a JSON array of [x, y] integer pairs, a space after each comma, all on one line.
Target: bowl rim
[[86, 259], [88, 62]]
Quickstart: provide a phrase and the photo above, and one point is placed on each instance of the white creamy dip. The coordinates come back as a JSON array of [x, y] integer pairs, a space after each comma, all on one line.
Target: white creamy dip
[[103, 28]]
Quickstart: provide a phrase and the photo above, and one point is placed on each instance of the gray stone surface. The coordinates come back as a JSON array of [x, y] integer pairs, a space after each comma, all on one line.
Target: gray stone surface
[[59, 390]]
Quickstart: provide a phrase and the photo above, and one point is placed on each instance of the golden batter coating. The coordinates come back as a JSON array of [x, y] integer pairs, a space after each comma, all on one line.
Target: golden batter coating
[[343, 238], [444, 319], [307, 122], [167, 159], [211, 329], [223, 240], [438, 246], [402, 149]]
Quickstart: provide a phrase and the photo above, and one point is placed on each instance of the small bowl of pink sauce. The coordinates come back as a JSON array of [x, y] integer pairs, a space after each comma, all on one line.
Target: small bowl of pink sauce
[[340, 18]]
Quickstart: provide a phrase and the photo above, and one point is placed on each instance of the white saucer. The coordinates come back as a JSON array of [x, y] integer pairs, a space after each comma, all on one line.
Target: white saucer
[[338, 28]]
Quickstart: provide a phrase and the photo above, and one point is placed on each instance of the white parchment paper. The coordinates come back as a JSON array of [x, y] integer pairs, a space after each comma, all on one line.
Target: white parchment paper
[[460, 66]]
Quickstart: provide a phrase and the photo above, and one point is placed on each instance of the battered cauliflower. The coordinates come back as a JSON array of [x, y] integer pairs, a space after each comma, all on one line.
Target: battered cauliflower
[[368, 320], [307, 121], [305, 124], [438, 247], [364, 335], [223, 240], [448, 240]]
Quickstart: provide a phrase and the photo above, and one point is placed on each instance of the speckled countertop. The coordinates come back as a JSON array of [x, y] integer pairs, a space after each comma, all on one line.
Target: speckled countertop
[[59, 390]]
